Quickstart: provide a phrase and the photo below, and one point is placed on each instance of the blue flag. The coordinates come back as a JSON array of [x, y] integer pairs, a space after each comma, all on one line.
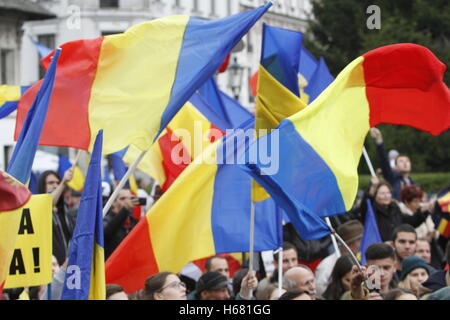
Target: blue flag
[[371, 234], [25, 150], [42, 50], [86, 256], [10, 102], [319, 81]]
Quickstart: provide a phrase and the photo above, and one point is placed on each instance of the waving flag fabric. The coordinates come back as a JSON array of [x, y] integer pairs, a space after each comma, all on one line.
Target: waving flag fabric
[[320, 146], [371, 233], [319, 81], [9, 98], [205, 212], [14, 195], [86, 247], [136, 81], [201, 121], [22, 159], [77, 181]]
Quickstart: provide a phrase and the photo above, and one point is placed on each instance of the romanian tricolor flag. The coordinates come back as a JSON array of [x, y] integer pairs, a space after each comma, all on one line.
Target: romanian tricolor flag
[[320, 146], [205, 212], [86, 248], [77, 181], [13, 196], [9, 98], [136, 81]]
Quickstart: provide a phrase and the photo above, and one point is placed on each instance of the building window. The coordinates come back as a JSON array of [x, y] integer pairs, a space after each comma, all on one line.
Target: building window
[[7, 66], [195, 8], [47, 40], [109, 3]]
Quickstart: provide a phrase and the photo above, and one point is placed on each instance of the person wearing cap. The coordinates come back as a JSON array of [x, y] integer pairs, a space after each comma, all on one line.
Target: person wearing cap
[[214, 286], [351, 232], [415, 271]]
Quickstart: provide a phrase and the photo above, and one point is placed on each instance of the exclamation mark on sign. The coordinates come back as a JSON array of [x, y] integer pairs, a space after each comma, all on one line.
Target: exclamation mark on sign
[[36, 260]]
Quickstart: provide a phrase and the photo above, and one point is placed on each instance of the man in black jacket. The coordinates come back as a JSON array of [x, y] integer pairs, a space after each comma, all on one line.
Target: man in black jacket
[[441, 278], [119, 221]]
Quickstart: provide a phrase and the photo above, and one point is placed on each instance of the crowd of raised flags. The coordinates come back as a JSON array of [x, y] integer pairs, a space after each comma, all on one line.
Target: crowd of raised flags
[[142, 91]]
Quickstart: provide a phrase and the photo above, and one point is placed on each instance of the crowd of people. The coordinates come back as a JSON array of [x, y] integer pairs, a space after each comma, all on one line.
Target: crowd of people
[[411, 262]]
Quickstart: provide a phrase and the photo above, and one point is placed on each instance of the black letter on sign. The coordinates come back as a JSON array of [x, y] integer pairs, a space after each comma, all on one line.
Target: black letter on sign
[[25, 223], [17, 264]]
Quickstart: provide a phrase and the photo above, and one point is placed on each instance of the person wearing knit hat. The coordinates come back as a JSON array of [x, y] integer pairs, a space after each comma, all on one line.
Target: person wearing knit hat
[[415, 271], [351, 232], [212, 286], [415, 268]]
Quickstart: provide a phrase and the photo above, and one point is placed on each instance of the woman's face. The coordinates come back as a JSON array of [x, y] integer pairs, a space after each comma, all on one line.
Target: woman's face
[[383, 196], [173, 289], [414, 205], [346, 280], [51, 183], [419, 275]]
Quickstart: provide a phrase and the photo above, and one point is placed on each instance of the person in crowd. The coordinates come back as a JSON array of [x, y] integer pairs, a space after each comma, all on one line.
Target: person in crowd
[[164, 286], [309, 252], [423, 250], [441, 294], [386, 210], [55, 266], [296, 294], [351, 232], [440, 278], [400, 294], [404, 243], [412, 201], [381, 267], [119, 221], [270, 292], [115, 292], [220, 264], [415, 271], [63, 223], [303, 278], [434, 258], [340, 278], [398, 177], [290, 260]]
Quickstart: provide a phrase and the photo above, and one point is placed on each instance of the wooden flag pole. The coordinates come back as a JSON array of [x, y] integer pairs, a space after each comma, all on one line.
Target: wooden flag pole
[[369, 163], [122, 183]]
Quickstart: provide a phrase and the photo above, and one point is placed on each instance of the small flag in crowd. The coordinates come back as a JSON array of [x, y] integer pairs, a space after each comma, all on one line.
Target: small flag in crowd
[[370, 234], [86, 257]]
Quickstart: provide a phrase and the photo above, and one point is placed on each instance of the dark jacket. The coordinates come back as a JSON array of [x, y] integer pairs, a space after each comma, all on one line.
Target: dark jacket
[[390, 217], [436, 280], [114, 230], [307, 250], [392, 176], [63, 226]]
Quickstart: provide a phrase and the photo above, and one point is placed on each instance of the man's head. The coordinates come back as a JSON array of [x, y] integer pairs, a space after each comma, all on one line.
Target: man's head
[[123, 200], [403, 164], [303, 278], [115, 292], [423, 250], [404, 238], [213, 286], [351, 232], [218, 264], [290, 257], [382, 256]]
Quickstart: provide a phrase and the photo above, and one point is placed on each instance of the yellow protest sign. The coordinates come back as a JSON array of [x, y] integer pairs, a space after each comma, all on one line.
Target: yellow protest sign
[[31, 263]]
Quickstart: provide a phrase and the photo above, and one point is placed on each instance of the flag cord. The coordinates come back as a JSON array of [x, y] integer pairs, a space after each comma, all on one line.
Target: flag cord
[[122, 183]]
